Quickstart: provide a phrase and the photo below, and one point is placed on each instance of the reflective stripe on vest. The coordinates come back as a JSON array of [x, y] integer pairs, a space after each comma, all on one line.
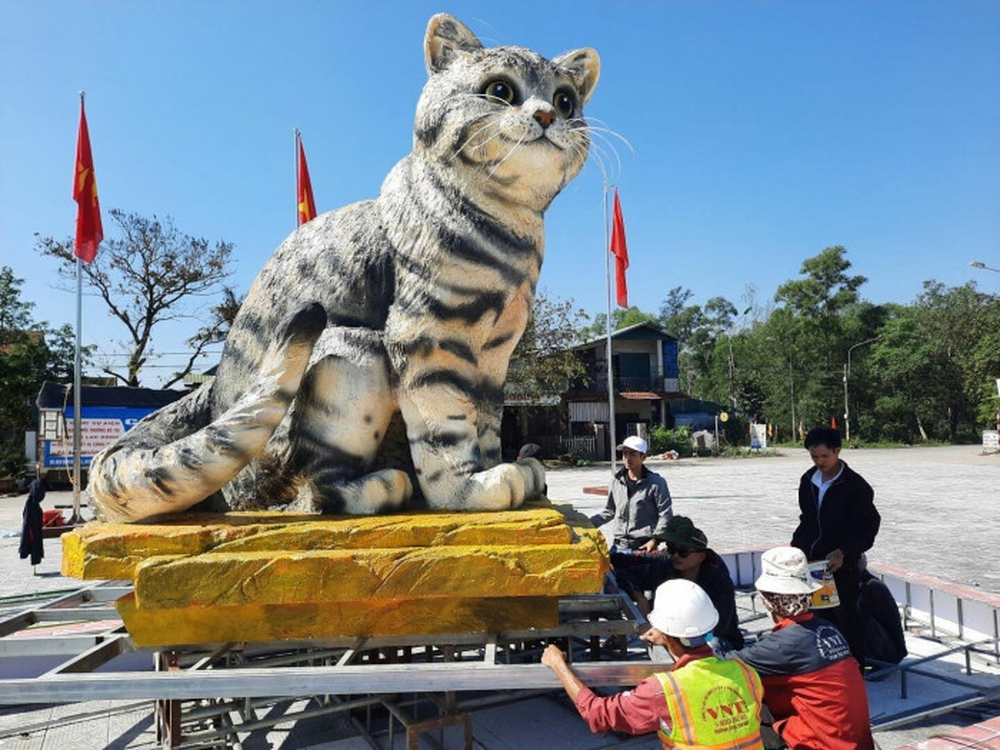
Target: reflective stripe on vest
[[713, 705]]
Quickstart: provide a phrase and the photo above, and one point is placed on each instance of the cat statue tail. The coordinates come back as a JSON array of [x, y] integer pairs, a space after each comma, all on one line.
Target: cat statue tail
[[147, 473]]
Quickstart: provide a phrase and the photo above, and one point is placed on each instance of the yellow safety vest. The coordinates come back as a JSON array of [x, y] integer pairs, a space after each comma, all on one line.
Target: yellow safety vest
[[714, 704]]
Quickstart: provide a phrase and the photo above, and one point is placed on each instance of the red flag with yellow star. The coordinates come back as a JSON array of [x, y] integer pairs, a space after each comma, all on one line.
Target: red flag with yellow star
[[89, 231], [307, 206]]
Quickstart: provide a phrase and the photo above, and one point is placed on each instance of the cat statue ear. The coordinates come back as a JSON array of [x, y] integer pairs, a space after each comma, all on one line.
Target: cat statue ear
[[446, 38], [584, 67]]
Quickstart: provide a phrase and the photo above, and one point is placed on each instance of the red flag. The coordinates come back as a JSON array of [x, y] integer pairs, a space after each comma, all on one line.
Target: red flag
[[89, 231], [307, 206], [620, 250], [833, 422]]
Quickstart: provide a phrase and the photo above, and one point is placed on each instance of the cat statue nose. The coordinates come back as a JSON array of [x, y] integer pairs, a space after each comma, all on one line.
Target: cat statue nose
[[544, 118]]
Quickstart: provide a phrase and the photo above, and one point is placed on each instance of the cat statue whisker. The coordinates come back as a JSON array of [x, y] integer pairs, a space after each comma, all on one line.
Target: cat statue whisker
[[603, 148], [365, 369], [509, 154], [487, 127], [607, 140]]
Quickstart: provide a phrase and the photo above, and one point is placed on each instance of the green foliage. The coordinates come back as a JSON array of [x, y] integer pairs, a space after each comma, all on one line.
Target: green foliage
[[918, 373], [542, 364], [827, 289], [620, 318], [662, 440], [32, 353]]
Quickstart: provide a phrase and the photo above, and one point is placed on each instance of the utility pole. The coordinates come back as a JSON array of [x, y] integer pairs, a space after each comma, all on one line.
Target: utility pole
[[791, 384], [847, 374]]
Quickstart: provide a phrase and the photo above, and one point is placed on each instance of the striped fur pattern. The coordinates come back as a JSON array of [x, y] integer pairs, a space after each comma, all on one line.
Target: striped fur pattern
[[366, 367]]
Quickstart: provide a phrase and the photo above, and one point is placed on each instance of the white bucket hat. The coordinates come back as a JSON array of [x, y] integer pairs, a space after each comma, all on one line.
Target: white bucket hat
[[784, 570], [634, 442]]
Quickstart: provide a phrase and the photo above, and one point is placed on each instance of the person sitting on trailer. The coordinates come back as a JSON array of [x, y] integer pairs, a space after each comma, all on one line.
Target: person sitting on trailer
[[687, 555], [812, 684], [885, 642], [690, 557], [700, 701]]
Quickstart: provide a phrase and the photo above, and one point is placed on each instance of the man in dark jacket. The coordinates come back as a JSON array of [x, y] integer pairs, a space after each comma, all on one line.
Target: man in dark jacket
[[686, 555], [837, 523]]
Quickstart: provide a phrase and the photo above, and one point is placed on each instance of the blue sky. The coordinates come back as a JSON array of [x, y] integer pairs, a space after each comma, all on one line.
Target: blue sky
[[760, 132]]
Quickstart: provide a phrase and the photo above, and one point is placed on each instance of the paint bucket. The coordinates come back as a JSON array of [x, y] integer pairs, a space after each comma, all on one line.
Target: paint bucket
[[826, 595]]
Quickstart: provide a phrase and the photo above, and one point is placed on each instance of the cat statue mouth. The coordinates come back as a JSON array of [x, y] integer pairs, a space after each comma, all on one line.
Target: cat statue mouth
[[365, 370]]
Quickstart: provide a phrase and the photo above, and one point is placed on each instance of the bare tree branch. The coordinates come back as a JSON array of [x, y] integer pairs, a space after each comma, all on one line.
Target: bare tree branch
[[147, 276]]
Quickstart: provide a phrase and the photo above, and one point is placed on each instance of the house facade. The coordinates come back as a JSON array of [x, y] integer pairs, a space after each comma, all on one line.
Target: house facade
[[644, 382]]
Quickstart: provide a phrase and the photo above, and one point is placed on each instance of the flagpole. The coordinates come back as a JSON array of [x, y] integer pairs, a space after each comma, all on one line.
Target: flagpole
[[77, 400], [297, 176], [611, 386]]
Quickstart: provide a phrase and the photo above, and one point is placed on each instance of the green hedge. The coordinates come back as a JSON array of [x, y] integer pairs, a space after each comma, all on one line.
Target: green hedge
[[662, 440]]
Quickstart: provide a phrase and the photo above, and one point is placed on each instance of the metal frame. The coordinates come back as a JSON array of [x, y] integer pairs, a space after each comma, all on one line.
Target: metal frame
[[356, 676]]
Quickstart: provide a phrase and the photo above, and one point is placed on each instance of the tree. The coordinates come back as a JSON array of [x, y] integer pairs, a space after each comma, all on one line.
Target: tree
[[31, 353], [812, 324], [939, 358], [215, 332], [672, 312], [621, 317], [149, 275], [826, 290], [543, 363], [913, 379], [698, 331]]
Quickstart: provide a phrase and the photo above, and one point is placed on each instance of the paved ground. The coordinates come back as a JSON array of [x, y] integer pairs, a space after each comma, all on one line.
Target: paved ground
[[939, 516]]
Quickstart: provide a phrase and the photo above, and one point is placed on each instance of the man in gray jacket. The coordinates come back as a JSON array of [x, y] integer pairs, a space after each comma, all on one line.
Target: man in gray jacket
[[639, 504]]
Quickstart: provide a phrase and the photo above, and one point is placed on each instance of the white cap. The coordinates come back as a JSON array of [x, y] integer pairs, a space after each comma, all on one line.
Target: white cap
[[784, 570], [682, 609], [634, 442]]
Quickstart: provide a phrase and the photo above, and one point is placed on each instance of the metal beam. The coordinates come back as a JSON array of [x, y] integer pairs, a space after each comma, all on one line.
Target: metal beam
[[94, 657], [76, 614], [302, 681], [50, 645]]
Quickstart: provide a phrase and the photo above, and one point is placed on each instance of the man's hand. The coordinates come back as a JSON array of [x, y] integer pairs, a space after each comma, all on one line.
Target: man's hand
[[649, 546], [835, 560], [553, 657]]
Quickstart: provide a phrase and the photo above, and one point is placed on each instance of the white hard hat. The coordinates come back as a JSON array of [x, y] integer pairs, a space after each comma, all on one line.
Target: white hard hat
[[634, 442], [784, 570], [682, 609]]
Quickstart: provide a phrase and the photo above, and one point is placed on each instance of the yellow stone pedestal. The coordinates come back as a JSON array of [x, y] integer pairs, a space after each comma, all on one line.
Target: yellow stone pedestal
[[203, 578]]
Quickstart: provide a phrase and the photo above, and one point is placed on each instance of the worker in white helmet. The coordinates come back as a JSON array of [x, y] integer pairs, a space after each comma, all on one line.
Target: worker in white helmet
[[701, 701]]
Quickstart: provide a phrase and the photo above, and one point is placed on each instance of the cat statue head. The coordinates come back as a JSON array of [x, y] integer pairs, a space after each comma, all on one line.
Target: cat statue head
[[498, 114]]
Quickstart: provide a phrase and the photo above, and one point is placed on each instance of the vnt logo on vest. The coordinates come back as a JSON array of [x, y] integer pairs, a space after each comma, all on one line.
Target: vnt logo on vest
[[725, 709]]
